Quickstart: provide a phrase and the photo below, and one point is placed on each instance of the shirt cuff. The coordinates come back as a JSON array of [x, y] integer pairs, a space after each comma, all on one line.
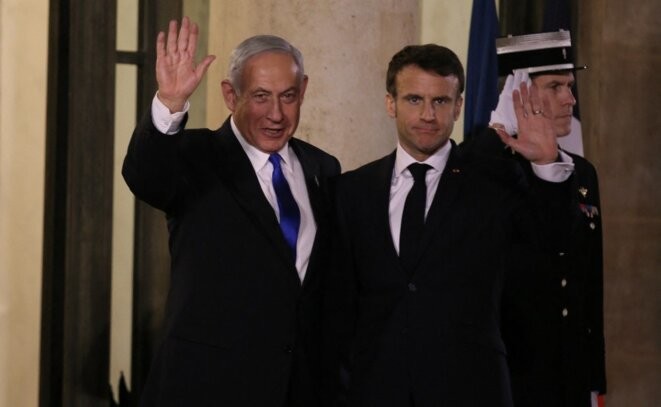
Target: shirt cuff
[[555, 172], [164, 121]]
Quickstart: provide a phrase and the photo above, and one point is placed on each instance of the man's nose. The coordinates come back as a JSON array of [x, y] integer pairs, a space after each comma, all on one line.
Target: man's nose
[[568, 97], [428, 112], [275, 112]]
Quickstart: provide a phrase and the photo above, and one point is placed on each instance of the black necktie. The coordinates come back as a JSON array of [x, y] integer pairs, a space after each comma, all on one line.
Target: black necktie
[[290, 216], [413, 218]]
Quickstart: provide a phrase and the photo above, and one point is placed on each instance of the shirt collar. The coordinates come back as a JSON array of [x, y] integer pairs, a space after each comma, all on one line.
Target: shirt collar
[[258, 158], [437, 161]]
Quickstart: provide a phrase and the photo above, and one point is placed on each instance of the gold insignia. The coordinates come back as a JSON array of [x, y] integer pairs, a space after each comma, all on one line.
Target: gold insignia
[[583, 191]]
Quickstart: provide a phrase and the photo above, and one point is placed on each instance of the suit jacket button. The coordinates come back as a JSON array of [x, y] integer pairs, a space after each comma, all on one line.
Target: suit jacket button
[[565, 312], [412, 287], [288, 349]]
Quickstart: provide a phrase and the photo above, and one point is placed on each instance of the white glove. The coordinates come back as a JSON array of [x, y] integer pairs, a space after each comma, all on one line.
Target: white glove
[[504, 115]]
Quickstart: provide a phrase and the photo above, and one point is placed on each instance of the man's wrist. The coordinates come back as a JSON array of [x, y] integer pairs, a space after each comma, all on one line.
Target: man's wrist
[[173, 105], [165, 121], [550, 159], [555, 171]]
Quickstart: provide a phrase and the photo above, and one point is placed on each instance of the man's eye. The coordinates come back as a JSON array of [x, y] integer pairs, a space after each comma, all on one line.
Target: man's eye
[[440, 101], [414, 100], [288, 97], [260, 97]]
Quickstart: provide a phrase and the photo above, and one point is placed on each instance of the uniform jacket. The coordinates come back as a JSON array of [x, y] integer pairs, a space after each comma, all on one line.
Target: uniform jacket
[[241, 329], [553, 303], [435, 339]]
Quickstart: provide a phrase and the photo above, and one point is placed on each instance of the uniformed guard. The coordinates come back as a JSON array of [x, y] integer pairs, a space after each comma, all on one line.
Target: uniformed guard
[[553, 304]]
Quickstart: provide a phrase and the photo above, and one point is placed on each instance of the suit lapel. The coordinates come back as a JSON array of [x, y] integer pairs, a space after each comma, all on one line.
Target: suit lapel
[[312, 176], [236, 171], [381, 204]]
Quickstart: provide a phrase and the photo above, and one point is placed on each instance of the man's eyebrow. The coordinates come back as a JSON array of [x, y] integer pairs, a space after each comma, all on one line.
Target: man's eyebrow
[[556, 83], [260, 90]]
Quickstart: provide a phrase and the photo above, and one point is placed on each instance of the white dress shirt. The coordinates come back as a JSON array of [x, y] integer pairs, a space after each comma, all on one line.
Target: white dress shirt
[[402, 180], [168, 123]]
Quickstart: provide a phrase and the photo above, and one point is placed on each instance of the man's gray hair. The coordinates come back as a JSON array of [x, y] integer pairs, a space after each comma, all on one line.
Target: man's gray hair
[[256, 45]]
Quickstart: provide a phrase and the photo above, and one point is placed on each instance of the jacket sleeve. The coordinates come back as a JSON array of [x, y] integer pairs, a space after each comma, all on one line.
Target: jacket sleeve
[[151, 166], [595, 294]]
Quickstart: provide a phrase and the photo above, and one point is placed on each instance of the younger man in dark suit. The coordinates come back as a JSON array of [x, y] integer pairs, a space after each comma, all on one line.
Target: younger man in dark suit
[[424, 237], [248, 217]]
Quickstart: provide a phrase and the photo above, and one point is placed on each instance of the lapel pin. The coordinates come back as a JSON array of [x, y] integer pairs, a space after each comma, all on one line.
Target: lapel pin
[[583, 191], [456, 170]]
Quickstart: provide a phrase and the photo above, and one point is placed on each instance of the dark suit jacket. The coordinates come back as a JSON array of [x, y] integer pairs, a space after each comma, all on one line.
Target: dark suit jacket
[[241, 329], [434, 339], [553, 302]]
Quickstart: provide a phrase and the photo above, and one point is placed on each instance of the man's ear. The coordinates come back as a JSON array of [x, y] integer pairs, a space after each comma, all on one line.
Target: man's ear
[[391, 106], [229, 94], [304, 85]]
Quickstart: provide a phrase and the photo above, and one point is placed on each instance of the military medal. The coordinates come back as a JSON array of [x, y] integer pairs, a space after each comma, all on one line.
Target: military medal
[[589, 210]]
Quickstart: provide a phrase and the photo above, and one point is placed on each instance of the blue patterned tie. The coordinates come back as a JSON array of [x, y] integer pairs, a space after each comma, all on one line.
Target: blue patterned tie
[[290, 216]]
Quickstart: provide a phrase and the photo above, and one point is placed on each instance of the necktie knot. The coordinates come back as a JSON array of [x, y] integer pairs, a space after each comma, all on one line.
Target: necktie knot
[[418, 171], [275, 159]]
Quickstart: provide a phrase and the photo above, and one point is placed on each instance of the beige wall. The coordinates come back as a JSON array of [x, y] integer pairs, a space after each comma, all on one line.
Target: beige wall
[[23, 53], [620, 104]]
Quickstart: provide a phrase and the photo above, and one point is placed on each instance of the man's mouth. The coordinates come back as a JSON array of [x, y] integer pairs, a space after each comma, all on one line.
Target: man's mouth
[[273, 132], [426, 130]]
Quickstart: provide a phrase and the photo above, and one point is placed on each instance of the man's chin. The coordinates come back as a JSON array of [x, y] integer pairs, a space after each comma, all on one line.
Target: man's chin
[[271, 145], [563, 130]]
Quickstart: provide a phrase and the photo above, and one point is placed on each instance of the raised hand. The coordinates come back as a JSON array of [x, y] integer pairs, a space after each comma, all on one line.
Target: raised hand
[[176, 72], [536, 139]]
